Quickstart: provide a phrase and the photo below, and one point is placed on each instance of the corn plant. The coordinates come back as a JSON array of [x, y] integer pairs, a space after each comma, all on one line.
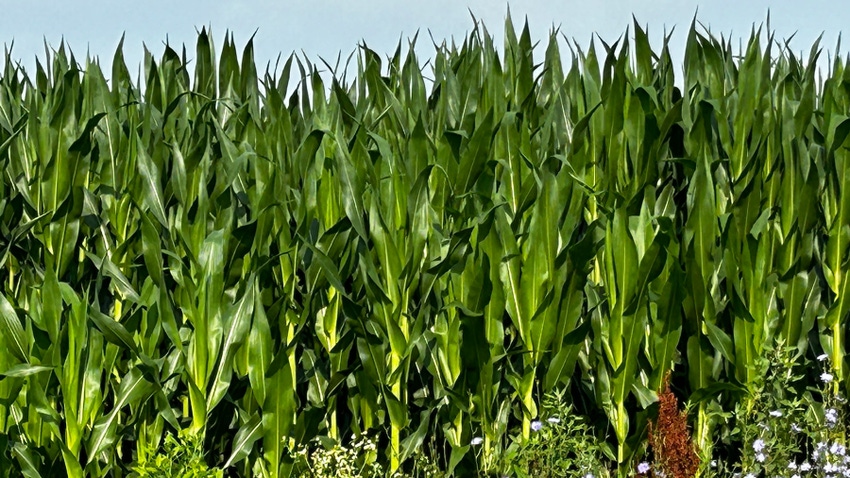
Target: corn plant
[[262, 260]]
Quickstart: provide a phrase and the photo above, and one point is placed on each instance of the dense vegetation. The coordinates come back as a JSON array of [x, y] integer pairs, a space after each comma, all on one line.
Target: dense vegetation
[[418, 253]]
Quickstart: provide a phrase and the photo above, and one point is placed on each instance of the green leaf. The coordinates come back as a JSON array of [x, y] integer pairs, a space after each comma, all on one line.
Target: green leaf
[[113, 331], [13, 332], [720, 341], [152, 250], [29, 466], [244, 440], [237, 324], [133, 390], [259, 351], [150, 176], [278, 417], [25, 370], [474, 157], [119, 280]]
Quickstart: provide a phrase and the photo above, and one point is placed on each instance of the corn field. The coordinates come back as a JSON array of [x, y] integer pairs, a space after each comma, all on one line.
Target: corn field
[[420, 250]]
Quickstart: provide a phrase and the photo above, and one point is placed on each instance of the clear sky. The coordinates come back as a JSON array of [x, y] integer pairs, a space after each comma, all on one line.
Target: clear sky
[[325, 28]]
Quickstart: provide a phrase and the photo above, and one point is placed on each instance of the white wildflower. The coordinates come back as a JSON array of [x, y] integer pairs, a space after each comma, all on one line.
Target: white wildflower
[[831, 416]]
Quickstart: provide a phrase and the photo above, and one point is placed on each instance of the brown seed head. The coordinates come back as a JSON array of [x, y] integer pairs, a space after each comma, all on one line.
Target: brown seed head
[[674, 452]]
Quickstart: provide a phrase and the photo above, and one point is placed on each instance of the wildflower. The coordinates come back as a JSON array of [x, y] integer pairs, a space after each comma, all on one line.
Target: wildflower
[[831, 416], [536, 425], [713, 463], [760, 457], [643, 467], [776, 413], [553, 420], [749, 475], [792, 465], [826, 377], [477, 441], [805, 466], [822, 357], [796, 428], [589, 475], [758, 445]]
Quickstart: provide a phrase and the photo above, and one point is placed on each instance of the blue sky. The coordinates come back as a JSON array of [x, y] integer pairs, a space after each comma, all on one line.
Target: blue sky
[[326, 28]]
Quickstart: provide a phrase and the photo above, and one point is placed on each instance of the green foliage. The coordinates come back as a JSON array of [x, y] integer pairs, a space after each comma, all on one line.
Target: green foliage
[[779, 428], [357, 459], [564, 445], [771, 423], [181, 457]]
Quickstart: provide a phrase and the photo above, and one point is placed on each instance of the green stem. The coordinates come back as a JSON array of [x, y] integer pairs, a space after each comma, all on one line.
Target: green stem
[[395, 434], [837, 359]]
